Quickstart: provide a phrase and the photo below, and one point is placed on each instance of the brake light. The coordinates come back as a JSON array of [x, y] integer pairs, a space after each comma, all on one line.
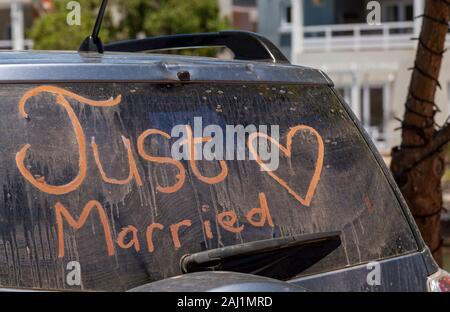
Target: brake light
[[439, 282]]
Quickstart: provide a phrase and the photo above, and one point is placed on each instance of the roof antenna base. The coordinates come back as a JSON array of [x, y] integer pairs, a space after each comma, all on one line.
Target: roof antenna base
[[91, 44]]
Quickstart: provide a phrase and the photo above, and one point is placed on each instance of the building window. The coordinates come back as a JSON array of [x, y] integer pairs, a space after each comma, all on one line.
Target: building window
[[398, 10], [392, 13], [409, 12], [288, 14], [8, 32], [286, 18], [373, 111], [373, 107], [285, 40]]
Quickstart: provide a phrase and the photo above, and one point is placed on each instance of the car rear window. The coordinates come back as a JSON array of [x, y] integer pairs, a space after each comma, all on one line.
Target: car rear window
[[101, 192]]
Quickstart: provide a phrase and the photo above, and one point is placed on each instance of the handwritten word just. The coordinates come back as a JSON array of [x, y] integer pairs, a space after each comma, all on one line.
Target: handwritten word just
[[190, 141]]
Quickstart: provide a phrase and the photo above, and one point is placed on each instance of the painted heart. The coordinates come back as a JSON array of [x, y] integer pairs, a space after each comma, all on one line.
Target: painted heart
[[287, 151]]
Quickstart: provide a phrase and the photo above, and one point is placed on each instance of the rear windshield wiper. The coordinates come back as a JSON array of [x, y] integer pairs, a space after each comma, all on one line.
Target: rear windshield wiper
[[281, 258]]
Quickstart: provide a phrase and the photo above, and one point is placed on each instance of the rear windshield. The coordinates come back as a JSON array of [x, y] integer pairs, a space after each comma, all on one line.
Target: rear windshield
[[107, 186]]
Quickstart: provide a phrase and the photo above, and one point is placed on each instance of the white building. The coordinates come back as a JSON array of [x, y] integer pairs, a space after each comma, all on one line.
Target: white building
[[369, 64], [15, 17]]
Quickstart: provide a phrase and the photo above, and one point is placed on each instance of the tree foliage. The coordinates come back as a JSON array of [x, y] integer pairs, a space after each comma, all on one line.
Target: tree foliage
[[51, 31], [136, 18], [165, 17]]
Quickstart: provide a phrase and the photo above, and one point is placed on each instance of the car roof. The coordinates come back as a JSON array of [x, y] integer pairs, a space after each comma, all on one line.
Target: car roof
[[59, 66]]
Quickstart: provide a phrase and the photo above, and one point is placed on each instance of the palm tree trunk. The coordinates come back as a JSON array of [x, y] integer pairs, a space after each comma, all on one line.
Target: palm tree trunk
[[417, 164]]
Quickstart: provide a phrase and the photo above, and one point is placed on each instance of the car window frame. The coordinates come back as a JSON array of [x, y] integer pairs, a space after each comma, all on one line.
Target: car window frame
[[387, 174]]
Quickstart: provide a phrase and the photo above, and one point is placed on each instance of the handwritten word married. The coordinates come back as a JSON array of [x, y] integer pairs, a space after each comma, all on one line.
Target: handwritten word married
[[227, 220]]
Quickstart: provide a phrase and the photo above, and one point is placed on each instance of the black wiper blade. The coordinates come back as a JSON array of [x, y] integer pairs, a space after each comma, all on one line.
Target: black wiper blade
[[280, 258]]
